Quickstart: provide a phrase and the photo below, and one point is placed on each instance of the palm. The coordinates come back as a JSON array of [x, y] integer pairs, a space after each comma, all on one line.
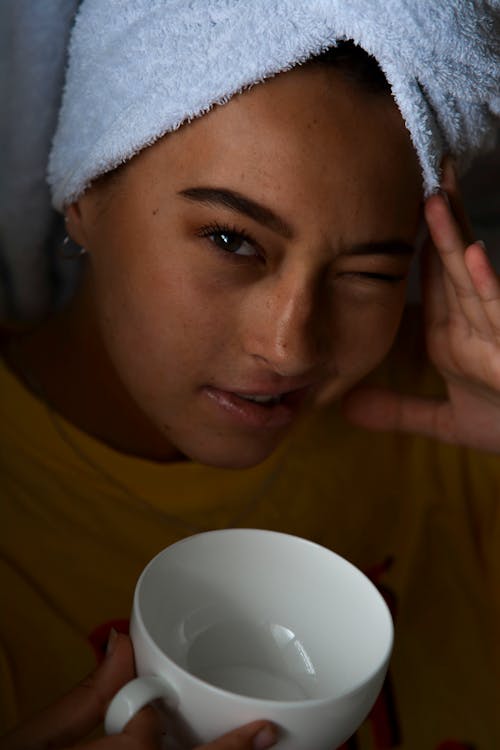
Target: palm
[[470, 366]]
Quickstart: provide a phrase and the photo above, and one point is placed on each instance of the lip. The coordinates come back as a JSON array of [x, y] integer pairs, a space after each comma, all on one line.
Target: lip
[[251, 414]]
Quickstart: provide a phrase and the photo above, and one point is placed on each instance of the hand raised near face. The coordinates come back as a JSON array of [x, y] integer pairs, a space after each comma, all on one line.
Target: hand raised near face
[[66, 723], [461, 294]]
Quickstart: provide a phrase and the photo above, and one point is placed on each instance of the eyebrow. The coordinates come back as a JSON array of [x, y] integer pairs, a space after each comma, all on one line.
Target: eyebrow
[[241, 204], [384, 247]]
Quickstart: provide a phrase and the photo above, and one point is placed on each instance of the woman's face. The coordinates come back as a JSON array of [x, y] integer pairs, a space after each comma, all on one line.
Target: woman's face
[[253, 256]]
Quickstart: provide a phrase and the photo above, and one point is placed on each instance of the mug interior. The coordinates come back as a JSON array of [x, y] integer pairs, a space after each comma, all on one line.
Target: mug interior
[[265, 614]]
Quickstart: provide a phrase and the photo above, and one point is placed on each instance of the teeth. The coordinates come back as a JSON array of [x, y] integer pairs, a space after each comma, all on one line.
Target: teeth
[[262, 399]]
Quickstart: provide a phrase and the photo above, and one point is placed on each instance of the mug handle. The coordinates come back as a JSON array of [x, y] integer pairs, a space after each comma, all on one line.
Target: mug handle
[[132, 697]]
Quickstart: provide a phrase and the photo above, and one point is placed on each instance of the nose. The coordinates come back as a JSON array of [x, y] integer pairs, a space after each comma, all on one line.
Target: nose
[[287, 327]]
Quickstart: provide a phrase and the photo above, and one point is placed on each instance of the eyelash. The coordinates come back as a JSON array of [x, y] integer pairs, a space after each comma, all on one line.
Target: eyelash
[[237, 233], [233, 231], [389, 278]]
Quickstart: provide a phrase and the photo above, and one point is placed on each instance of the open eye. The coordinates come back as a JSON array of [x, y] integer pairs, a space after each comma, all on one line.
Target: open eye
[[229, 240]]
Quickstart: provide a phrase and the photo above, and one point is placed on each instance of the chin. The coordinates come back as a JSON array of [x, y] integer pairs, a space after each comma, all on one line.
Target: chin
[[233, 456]]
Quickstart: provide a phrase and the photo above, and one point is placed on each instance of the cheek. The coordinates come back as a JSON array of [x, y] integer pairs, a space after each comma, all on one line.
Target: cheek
[[363, 332], [154, 313]]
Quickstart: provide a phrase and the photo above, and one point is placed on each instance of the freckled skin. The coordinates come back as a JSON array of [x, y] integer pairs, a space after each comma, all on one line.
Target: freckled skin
[[162, 312]]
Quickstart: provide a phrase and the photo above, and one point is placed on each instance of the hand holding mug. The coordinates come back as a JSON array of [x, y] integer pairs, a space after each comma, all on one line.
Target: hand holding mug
[[239, 625], [70, 720]]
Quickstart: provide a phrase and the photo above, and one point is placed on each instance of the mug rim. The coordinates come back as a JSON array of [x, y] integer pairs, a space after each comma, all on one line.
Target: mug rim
[[381, 666]]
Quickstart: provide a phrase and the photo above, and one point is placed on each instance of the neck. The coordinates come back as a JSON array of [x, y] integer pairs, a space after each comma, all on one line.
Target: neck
[[64, 362]]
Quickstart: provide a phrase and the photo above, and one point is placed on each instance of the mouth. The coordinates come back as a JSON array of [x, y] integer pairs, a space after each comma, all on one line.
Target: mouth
[[259, 410], [262, 400]]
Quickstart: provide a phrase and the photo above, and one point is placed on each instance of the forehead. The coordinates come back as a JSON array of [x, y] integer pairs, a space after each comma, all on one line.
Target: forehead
[[306, 140]]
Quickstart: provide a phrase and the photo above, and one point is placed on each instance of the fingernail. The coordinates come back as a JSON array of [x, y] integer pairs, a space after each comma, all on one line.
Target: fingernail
[[450, 165], [267, 737], [444, 195], [110, 646], [449, 168], [481, 244]]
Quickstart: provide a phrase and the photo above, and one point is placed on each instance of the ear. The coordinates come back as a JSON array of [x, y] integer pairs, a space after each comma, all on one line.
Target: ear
[[75, 226]]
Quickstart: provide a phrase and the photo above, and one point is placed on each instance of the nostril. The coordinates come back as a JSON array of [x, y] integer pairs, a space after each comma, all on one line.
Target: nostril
[[286, 329]]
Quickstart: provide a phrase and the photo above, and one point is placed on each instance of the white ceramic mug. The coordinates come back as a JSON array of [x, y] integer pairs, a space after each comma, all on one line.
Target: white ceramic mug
[[242, 624]]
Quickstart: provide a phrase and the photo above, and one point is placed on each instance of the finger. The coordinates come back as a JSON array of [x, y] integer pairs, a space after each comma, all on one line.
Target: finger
[[380, 409], [259, 735], [441, 302], [455, 210], [456, 314], [145, 729], [441, 306], [78, 712], [450, 245], [486, 282], [436, 310], [143, 732], [451, 188]]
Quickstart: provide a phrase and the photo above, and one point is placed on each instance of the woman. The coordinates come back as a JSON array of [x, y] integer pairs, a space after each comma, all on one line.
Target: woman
[[239, 270]]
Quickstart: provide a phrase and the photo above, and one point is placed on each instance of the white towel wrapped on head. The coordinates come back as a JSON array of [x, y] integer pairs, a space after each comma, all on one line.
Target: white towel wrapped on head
[[140, 68]]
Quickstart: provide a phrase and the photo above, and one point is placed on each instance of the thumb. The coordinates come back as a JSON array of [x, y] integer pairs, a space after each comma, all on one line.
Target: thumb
[[381, 409], [78, 712], [259, 735]]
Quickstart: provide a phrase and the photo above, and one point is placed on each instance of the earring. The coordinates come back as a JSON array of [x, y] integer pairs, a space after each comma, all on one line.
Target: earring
[[69, 249]]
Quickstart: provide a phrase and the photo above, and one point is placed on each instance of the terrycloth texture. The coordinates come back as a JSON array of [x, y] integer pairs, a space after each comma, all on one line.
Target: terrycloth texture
[[33, 45], [140, 69]]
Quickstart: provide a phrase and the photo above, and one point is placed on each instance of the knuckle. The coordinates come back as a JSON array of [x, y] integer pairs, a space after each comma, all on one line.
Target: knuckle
[[495, 328], [464, 291], [91, 694]]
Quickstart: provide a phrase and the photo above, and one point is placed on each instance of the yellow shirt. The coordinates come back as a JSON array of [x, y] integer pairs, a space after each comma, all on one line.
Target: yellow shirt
[[80, 521]]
